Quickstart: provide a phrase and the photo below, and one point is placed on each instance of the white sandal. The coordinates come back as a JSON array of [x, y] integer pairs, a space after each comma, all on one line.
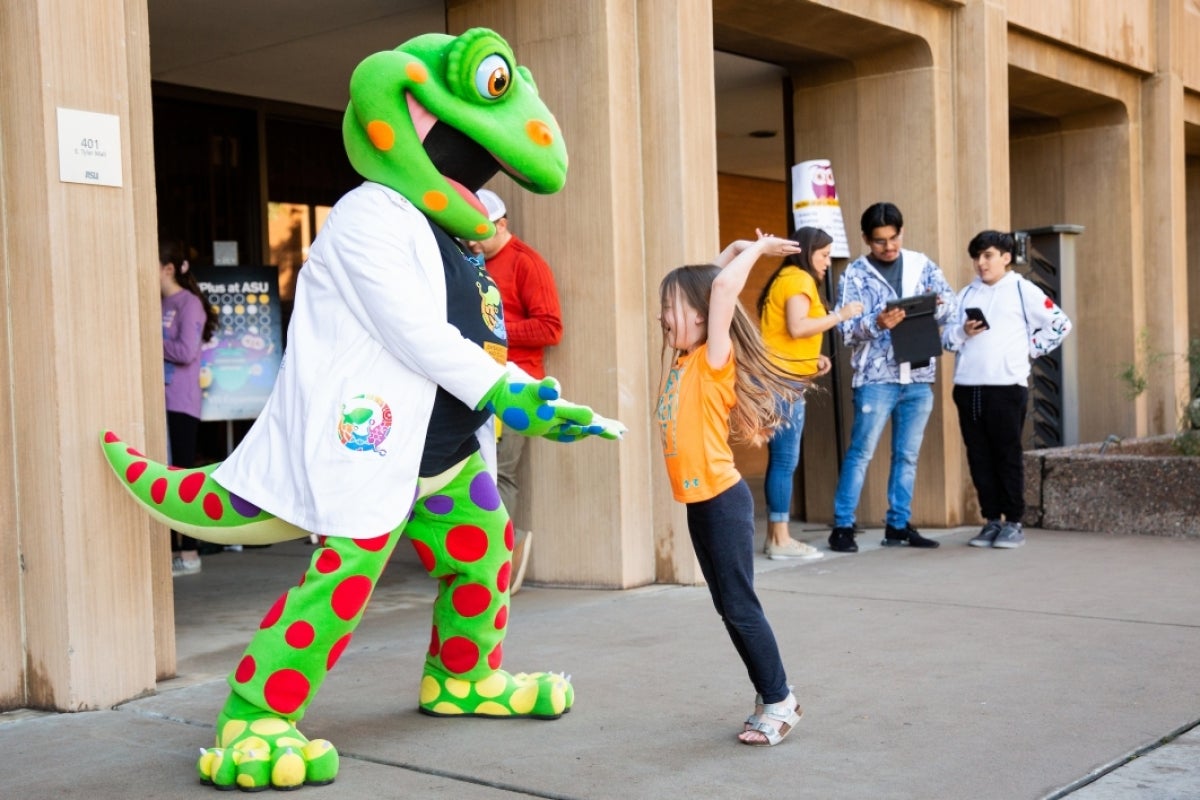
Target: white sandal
[[776, 721], [754, 718]]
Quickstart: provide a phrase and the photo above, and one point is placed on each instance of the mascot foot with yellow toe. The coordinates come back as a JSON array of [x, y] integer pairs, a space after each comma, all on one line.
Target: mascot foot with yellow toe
[[380, 424], [540, 695]]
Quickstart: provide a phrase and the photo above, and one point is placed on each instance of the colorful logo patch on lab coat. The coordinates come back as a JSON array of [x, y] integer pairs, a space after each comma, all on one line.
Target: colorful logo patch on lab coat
[[366, 421]]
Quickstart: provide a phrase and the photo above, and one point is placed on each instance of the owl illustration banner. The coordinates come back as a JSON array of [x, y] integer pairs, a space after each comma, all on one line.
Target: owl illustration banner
[[815, 202]]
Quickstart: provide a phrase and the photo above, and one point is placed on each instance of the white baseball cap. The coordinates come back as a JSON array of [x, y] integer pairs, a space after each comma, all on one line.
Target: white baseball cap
[[492, 202]]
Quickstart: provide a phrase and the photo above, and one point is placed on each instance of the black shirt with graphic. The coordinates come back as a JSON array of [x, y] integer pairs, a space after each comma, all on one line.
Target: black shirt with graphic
[[472, 306]]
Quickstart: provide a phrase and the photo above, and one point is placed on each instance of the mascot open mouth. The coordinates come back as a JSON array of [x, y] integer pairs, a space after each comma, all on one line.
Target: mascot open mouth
[[463, 162], [458, 157]]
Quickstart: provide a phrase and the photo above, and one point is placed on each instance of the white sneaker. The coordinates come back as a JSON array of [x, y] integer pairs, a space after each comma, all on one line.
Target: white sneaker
[[182, 566], [792, 549]]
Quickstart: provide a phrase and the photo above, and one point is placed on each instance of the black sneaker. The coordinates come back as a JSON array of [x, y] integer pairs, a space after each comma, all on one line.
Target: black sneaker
[[842, 541], [894, 537], [987, 535]]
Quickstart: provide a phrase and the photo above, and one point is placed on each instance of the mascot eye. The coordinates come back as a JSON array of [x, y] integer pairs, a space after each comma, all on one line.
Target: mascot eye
[[493, 77]]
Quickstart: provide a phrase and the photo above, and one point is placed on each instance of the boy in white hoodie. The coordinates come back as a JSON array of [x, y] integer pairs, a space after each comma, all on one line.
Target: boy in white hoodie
[[1002, 322]]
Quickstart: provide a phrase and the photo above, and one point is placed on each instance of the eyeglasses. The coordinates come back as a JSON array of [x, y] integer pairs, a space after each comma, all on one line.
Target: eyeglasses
[[885, 242]]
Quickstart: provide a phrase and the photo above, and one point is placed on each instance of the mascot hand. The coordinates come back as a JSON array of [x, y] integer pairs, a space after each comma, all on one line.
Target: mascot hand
[[600, 426], [534, 408]]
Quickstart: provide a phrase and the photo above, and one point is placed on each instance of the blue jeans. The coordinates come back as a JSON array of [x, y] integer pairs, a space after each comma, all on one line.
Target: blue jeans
[[783, 454], [907, 405], [722, 531]]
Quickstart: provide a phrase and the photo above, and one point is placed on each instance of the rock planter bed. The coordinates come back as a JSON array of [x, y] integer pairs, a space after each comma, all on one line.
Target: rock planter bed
[[1141, 486]]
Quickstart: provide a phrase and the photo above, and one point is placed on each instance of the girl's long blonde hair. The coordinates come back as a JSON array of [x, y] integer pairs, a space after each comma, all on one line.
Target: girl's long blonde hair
[[759, 381]]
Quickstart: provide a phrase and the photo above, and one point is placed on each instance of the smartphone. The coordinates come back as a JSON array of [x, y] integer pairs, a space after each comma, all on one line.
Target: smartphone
[[976, 314]]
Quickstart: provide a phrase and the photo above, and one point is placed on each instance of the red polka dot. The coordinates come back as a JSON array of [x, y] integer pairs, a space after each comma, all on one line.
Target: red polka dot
[[329, 561], [336, 651], [435, 642], [466, 543], [496, 657], [425, 554], [245, 670], [471, 599], [158, 490], [350, 596], [374, 544], [300, 635], [213, 508], [510, 538], [285, 691], [134, 453], [110, 437], [460, 654], [134, 471], [189, 487], [173, 469], [275, 613], [503, 575], [501, 618]]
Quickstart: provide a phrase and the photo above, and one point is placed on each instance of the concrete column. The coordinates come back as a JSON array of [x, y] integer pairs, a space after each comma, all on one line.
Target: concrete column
[[80, 296], [1165, 220], [626, 83]]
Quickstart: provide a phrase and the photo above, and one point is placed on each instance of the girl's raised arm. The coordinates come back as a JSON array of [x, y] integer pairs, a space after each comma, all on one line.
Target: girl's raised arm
[[736, 261]]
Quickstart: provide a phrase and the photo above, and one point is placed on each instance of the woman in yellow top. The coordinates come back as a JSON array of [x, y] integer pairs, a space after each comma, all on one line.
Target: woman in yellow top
[[794, 320]]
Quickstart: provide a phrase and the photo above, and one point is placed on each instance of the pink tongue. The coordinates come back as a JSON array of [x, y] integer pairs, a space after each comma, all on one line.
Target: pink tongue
[[467, 195]]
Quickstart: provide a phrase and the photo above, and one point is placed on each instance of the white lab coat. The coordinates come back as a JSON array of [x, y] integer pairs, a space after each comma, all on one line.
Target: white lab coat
[[369, 319]]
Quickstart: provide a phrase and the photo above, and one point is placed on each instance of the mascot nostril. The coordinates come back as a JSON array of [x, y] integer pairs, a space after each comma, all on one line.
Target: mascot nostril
[[395, 367]]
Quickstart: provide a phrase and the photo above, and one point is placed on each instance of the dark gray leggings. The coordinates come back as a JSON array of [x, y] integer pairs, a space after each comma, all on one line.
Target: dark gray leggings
[[722, 531]]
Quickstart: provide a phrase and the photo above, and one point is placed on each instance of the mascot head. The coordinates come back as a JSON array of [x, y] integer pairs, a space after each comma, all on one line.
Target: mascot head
[[438, 116]]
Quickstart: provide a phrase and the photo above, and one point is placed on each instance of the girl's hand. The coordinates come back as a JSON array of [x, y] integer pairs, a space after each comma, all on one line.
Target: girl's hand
[[772, 245], [823, 365], [973, 327], [849, 310]]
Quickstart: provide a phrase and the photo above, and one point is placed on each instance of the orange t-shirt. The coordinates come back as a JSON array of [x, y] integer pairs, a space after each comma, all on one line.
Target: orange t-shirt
[[693, 415]]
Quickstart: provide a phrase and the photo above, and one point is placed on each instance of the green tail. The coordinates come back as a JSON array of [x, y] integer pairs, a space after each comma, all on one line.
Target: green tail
[[191, 502]]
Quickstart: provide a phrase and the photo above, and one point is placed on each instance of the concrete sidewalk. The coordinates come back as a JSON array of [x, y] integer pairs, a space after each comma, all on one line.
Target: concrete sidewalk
[[953, 673]]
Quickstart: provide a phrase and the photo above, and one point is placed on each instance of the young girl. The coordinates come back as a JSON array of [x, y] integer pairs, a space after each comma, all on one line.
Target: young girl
[[722, 381], [793, 320]]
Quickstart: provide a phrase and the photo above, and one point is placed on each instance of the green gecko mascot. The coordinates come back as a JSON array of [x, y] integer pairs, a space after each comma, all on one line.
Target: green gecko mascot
[[379, 423]]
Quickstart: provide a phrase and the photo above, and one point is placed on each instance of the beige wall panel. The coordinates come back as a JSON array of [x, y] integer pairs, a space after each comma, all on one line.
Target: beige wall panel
[[587, 502], [1192, 179], [145, 219], [73, 272], [680, 226], [1121, 30], [1110, 315], [1187, 55], [12, 649], [1165, 214], [1038, 184]]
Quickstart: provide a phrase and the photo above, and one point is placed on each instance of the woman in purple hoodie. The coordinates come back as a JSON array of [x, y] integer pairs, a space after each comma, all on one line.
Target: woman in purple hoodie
[[187, 322]]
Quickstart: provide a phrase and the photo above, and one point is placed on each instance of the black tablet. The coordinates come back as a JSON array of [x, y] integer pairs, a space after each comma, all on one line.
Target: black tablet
[[915, 306]]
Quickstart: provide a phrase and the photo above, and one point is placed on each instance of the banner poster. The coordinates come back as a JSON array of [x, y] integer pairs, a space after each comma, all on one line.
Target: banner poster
[[239, 364], [815, 202]]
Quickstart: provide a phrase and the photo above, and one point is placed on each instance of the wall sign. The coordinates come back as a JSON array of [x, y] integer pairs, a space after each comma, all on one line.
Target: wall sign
[[238, 366], [815, 202], [89, 147]]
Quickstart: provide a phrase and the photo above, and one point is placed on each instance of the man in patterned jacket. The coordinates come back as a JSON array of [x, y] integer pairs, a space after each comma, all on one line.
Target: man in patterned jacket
[[885, 389]]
